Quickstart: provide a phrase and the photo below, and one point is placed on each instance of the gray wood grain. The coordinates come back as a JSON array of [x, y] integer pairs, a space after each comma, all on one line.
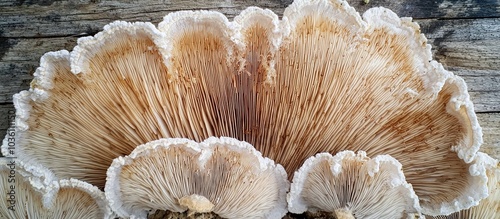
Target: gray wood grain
[[6, 112], [470, 48], [20, 59], [490, 122], [40, 18], [30, 19]]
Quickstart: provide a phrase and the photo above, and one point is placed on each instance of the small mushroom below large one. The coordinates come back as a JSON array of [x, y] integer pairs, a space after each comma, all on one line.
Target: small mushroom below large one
[[350, 185], [220, 175], [28, 195]]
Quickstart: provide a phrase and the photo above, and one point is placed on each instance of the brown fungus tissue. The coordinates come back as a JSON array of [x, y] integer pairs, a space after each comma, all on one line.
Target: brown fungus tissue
[[322, 113]]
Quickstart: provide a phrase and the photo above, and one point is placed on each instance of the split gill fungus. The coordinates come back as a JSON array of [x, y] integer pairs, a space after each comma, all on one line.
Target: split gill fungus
[[322, 79], [352, 185], [224, 176], [33, 193]]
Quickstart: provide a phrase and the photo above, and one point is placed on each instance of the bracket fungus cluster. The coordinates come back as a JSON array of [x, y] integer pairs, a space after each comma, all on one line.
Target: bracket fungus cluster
[[322, 79]]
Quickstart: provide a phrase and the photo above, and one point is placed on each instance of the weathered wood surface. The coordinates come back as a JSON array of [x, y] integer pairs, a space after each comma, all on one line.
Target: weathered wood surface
[[491, 133], [39, 18], [465, 36]]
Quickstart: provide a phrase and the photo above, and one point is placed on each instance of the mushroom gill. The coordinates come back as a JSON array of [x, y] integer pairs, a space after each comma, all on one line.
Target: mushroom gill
[[488, 207], [322, 79], [34, 195], [224, 176], [350, 185]]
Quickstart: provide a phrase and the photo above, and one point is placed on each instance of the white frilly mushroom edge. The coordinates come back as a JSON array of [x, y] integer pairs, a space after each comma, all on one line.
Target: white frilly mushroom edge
[[44, 154], [350, 184], [31, 194], [220, 175]]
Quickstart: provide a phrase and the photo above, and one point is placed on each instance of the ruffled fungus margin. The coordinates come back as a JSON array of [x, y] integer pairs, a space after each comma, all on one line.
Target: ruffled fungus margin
[[322, 79]]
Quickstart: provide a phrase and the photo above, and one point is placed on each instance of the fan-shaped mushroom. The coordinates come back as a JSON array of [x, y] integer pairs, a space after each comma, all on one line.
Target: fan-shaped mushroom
[[34, 195], [350, 185], [224, 176], [322, 79]]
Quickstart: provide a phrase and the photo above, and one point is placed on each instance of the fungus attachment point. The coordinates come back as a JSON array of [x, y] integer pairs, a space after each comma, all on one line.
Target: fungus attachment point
[[220, 175], [343, 213], [350, 185], [196, 204]]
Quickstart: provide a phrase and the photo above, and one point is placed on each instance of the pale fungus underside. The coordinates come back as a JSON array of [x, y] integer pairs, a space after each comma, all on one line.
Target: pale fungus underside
[[488, 207], [321, 79], [350, 185], [31, 195], [224, 176]]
